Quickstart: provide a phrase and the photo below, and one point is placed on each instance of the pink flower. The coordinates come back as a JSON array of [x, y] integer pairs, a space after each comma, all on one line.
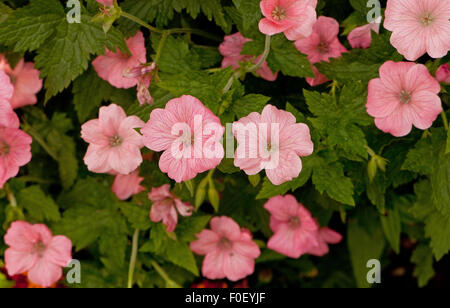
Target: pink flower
[[419, 27], [443, 74], [189, 134], [405, 95], [361, 37], [8, 117], [165, 206], [231, 50], [15, 152], [295, 231], [114, 144], [26, 82], [144, 75], [125, 186], [106, 2], [114, 66], [35, 250], [272, 141], [326, 236], [293, 17], [318, 79], [229, 251], [323, 43]]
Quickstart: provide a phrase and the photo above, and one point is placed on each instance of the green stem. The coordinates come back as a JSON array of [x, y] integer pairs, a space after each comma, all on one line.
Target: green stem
[[30, 130], [163, 274], [161, 44], [170, 31], [10, 195], [445, 120], [134, 251], [265, 54], [141, 22]]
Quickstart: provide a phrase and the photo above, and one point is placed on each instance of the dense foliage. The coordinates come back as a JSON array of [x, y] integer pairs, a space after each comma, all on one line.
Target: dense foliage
[[388, 196]]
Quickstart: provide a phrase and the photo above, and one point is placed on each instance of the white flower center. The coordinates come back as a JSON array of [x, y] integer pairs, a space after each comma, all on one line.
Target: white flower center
[[426, 19], [278, 13], [115, 141]]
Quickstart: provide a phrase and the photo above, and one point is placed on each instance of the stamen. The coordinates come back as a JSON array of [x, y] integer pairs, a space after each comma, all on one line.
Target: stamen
[[115, 141], [278, 13]]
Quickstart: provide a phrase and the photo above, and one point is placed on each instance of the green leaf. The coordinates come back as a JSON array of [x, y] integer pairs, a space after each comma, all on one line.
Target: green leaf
[[363, 247], [89, 91], [250, 13], [287, 59], [38, 206], [440, 182], [422, 257], [181, 255], [436, 228], [423, 207], [188, 228], [330, 178], [250, 103], [392, 228], [136, 214]]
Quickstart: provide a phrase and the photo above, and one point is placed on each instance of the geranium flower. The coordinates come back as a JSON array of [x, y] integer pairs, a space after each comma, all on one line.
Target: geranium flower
[[231, 50], [8, 117], [443, 74], [405, 95], [165, 207], [272, 141], [323, 43], [295, 231], [419, 27], [33, 249], [295, 18], [189, 134], [114, 66], [361, 37], [229, 250], [26, 82], [326, 236], [127, 185], [114, 144]]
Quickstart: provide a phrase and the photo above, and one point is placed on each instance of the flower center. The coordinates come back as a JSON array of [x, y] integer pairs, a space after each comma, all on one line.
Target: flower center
[[278, 13], [39, 248], [426, 19], [405, 97], [115, 141], [225, 243], [4, 148], [323, 47], [294, 222]]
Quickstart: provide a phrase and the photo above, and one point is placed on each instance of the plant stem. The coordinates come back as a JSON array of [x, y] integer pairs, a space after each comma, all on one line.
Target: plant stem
[[10, 195], [161, 44], [170, 31], [265, 54], [163, 274], [134, 251], [30, 130], [445, 120], [141, 22]]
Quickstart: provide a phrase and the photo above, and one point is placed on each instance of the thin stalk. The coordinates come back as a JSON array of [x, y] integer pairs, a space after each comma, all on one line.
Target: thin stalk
[[141, 22], [134, 251], [445, 120], [263, 59], [161, 44]]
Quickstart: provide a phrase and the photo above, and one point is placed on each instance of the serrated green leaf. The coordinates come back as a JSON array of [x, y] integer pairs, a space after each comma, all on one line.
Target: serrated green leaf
[[422, 257], [38, 206], [248, 104], [436, 228], [392, 228]]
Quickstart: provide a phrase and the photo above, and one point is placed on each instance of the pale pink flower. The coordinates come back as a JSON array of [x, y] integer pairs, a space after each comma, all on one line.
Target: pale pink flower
[[419, 27], [443, 74], [165, 207], [189, 134], [33, 249], [295, 230], [127, 185], [144, 75], [405, 95], [295, 18], [326, 236], [114, 66], [229, 250], [323, 43], [15, 152], [231, 50], [106, 2], [272, 141], [318, 79], [26, 82], [361, 37], [8, 117], [114, 144]]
